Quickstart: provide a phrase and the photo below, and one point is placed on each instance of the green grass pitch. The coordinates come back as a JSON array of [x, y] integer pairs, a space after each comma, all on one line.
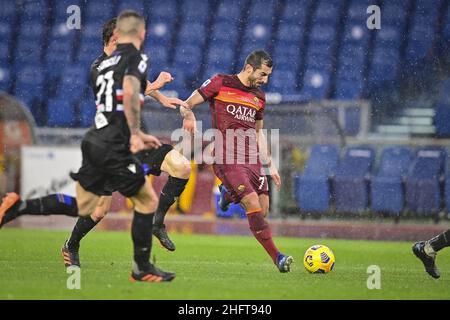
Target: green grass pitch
[[212, 267]]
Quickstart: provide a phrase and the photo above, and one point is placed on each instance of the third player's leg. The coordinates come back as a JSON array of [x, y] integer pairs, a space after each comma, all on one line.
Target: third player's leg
[[176, 165]]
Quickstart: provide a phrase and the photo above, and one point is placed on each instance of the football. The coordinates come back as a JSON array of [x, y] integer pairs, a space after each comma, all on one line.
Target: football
[[319, 259]]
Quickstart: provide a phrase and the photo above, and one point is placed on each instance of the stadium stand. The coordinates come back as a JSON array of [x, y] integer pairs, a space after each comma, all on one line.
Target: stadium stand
[[321, 49]]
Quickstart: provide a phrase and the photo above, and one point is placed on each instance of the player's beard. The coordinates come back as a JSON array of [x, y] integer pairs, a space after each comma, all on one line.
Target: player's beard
[[253, 82]]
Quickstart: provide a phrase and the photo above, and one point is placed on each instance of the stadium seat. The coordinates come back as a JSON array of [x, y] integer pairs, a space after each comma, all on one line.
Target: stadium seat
[[8, 12], [136, 5], [442, 120], [5, 79], [312, 189], [295, 12], [99, 10], [196, 10], [351, 180], [315, 84], [74, 82], [387, 186], [327, 12], [61, 113], [160, 33], [29, 84], [163, 10], [423, 193], [87, 112]]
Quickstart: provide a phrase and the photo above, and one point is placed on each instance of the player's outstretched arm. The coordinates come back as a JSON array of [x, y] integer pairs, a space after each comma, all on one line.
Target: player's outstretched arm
[[168, 102], [265, 154], [159, 83], [189, 120], [132, 110]]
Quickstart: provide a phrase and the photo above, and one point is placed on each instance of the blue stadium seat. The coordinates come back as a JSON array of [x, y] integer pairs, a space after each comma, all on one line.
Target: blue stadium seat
[[394, 13], [220, 56], [157, 55], [188, 58], [295, 11], [446, 28], [322, 34], [283, 81], [312, 187], [423, 193], [442, 120], [5, 79], [61, 113], [27, 52], [99, 10], [315, 84], [33, 11], [8, 12], [230, 11], [160, 32], [73, 82], [136, 5], [195, 10], [87, 112], [89, 50], [387, 186], [287, 56], [29, 84], [163, 10], [194, 33], [4, 53], [290, 33], [262, 11], [224, 32], [92, 30], [327, 12], [349, 89], [351, 180]]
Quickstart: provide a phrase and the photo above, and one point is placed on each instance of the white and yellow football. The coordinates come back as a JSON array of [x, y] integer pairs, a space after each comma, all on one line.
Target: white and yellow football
[[319, 259]]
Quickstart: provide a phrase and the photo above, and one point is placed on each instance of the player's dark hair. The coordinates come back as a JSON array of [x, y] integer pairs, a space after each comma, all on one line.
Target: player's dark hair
[[108, 30], [258, 58]]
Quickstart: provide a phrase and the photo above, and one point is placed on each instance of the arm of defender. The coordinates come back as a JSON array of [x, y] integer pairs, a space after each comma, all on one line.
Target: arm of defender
[[168, 102], [132, 110], [265, 154]]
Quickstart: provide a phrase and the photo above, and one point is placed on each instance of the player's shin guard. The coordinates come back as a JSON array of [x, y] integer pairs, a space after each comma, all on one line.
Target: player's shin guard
[[262, 232], [54, 204], [440, 241], [141, 233], [82, 227], [172, 189]]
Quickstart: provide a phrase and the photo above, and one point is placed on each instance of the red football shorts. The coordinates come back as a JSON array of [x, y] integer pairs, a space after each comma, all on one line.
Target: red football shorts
[[241, 180]]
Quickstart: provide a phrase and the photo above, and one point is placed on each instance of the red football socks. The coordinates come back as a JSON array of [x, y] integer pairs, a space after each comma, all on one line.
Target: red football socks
[[262, 232]]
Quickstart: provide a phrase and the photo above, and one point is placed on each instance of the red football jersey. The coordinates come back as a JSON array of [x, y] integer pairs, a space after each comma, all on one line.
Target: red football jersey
[[234, 111]]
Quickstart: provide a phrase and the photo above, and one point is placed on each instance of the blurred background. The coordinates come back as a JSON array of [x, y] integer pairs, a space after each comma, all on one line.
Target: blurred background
[[363, 114]]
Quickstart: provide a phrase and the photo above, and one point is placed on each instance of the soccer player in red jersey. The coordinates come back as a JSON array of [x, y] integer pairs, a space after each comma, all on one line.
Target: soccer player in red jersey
[[237, 108]]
